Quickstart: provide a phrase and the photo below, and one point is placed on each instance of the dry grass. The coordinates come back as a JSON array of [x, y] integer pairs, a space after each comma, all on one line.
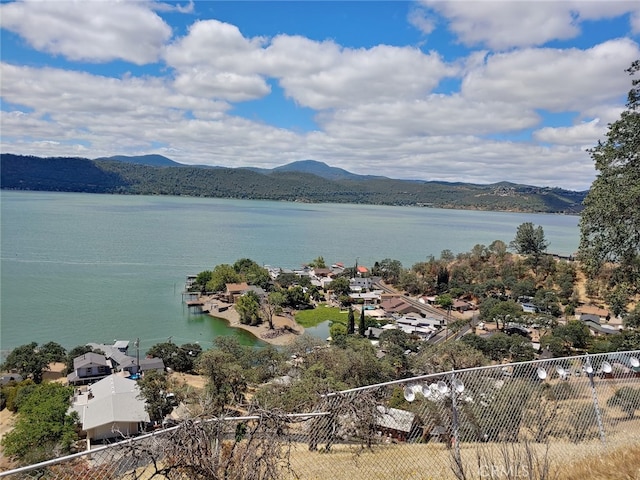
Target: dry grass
[[567, 461], [622, 463]]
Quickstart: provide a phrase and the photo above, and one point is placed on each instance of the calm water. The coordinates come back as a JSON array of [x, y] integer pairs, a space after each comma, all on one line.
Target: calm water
[[80, 268]]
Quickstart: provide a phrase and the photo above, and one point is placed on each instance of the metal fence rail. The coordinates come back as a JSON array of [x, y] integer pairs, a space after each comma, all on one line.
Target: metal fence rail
[[524, 420]]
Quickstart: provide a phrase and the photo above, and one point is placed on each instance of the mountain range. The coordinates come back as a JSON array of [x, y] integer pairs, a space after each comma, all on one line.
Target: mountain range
[[302, 181]]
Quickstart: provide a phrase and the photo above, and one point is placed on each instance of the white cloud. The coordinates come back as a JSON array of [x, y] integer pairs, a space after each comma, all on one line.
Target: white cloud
[[503, 24], [635, 22], [435, 115], [581, 134], [95, 31], [553, 79], [420, 19], [355, 76]]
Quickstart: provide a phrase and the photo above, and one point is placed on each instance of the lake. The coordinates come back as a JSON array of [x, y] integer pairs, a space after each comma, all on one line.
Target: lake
[[79, 268]]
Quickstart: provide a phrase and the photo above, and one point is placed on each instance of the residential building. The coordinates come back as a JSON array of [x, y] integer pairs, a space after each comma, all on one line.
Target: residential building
[[111, 408], [88, 368]]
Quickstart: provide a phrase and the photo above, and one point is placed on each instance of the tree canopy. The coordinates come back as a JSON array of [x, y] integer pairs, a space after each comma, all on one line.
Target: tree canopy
[[610, 222], [28, 361]]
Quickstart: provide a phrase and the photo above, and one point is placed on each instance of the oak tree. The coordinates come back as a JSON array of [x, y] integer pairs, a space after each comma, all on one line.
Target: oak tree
[[610, 222]]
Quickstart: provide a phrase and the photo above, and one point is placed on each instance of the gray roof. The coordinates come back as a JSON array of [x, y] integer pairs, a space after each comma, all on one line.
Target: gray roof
[[153, 363], [10, 377], [88, 360], [395, 419], [115, 399], [122, 359]]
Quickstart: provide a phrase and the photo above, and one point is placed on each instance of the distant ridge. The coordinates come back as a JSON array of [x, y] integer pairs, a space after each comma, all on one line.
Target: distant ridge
[[152, 160], [322, 170], [303, 181]]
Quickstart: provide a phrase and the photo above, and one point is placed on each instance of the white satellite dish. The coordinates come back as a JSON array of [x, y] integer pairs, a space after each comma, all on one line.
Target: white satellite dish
[[443, 387], [409, 394], [606, 367], [426, 390], [542, 373], [635, 363], [561, 371], [458, 386], [588, 368]]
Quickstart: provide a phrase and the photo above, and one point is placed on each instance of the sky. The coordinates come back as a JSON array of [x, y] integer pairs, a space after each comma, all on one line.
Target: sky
[[470, 91]]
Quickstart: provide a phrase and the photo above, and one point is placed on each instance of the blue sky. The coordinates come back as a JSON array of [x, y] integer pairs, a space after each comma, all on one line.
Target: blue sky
[[474, 91]]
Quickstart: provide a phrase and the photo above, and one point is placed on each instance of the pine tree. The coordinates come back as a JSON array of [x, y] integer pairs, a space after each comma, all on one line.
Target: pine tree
[[361, 327], [351, 326]]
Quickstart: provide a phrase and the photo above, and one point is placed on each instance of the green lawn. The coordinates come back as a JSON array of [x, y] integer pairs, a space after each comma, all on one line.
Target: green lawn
[[311, 318]]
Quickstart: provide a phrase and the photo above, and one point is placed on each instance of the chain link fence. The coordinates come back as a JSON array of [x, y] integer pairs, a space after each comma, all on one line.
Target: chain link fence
[[523, 420]]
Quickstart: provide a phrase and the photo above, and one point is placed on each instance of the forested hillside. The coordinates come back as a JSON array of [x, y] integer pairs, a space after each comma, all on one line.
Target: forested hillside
[[111, 176]]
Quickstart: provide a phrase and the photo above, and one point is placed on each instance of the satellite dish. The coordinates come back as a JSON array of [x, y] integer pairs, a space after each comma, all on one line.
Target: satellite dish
[[458, 386], [606, 367], [442, 387], [588, 368], [426, 390], [561, 371], [635, 363], [409, 394], [542, 373]]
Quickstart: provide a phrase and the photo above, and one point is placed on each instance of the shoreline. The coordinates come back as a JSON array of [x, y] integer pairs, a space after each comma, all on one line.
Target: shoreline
[[285, 330]]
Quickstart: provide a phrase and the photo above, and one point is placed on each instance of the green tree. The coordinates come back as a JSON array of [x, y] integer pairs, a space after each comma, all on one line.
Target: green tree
[[618, 298], [28, 361], [609, 222], [248, 307], [530, 241], [220, 276], [452, 355], [362, 324], [53, 352], [574, 334], [318, 263], [389, 270], [337, 330], [296, 297], [351, 322], [44, 429], [226, 381], [252, 273], [179, 359], [154, 389], [272, 305], [340, 286], [202, 279], [494, 310], [632, 319]]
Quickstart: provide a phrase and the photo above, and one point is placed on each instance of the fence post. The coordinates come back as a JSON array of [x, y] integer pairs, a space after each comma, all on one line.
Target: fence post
[[594, 394]]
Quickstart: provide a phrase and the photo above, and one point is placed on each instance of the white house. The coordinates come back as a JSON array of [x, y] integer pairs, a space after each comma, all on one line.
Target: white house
[[110, 408]]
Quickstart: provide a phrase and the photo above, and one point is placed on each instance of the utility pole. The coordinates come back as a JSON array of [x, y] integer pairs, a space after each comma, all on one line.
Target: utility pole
[[137, 344]]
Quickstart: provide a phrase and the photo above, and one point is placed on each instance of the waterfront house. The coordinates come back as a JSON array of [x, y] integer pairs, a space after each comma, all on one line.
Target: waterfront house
[[88, 368], [120, 361], [234, 290], [111, 409]]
